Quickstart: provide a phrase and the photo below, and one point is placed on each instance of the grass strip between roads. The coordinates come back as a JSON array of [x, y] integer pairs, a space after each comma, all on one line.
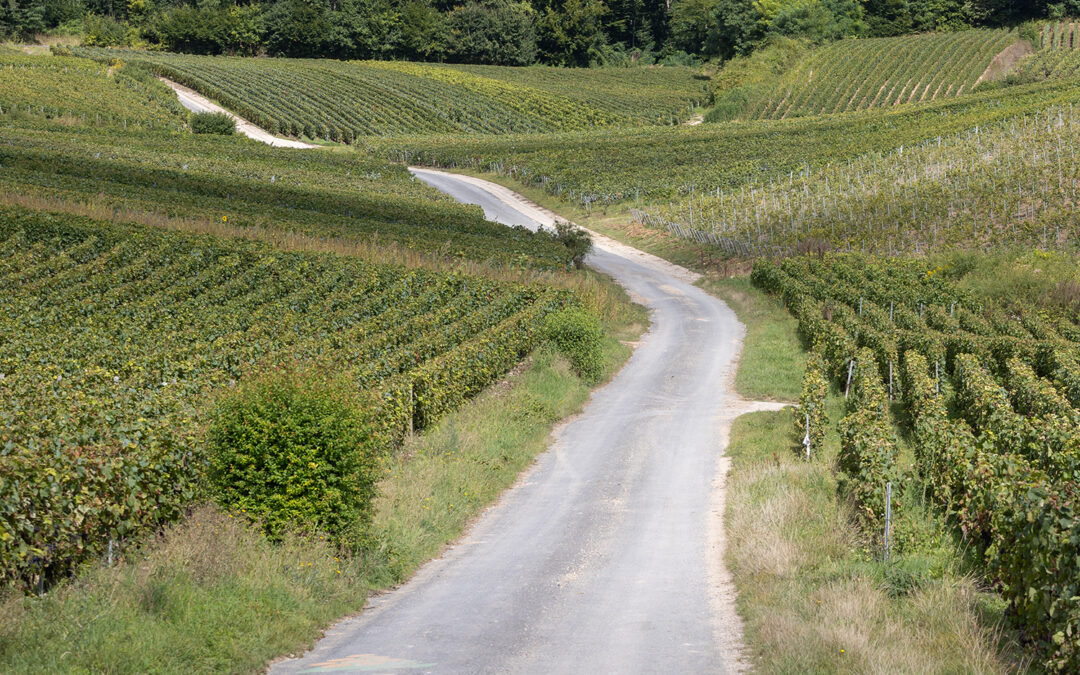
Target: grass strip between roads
[[211, 594]]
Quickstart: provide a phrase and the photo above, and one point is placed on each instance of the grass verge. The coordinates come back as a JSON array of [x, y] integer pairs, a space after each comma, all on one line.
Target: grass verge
[[211, 594], [814, 599], [815, 596]]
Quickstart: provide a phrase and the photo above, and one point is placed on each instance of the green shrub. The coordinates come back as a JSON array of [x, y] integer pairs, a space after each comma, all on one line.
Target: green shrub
[[578, 335], [213, 123], [577, 241], [293, 449]]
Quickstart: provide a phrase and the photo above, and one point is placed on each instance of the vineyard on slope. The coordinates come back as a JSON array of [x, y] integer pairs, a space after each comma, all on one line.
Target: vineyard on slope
[[344, 101], [859, 74], [1012, 183], [992, 396], [146, 270], [649, 165], [1057, 54], [200, 179], [72, 91], [114, 337]]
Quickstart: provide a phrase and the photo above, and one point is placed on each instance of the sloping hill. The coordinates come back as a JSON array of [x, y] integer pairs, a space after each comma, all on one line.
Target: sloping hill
[[1057, 54], [72, 91], [859, 74], [341, 101]]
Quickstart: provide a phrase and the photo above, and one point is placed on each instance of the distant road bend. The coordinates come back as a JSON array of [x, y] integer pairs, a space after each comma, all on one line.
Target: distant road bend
[[606, 557]]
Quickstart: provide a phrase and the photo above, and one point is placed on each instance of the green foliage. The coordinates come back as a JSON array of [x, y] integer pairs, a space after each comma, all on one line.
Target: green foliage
[[292, 450], [1040, 568], [992, 185], [578, 335], [497, 32], [61, 91], [660, 164], [133, 328], [573, 35], [1057, 54], [213, 123], [746, 78], [351, 100], [355, 202], [105, 31], [577, 241], [997, 439], [853, 75], [815, 387]]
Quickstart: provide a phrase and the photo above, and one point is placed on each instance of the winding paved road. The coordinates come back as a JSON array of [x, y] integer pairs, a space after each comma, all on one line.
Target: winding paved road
[[606, 556]]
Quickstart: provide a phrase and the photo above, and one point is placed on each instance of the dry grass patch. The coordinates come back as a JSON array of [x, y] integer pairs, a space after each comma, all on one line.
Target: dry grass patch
[[812, 599]]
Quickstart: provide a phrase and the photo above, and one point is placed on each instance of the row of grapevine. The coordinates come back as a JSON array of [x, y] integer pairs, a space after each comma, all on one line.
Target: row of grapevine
[[115, 336], [859, 74], [1057, 54], [345, 101], [1014, 182], [204, 179], [996, 430], [42, 89], [647, 166], [1059, 35]]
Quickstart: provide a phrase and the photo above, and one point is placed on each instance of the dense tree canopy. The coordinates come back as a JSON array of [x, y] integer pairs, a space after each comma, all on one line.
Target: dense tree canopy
[[509, 32]]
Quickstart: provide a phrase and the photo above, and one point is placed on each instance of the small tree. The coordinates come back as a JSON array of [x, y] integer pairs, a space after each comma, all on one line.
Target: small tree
[[576, 240]]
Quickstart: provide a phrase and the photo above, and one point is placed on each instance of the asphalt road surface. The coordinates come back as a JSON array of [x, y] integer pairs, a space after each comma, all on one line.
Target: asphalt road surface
[[604, 558]]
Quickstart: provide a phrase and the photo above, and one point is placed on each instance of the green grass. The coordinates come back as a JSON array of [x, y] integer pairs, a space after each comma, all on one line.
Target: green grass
[[212, 595], [815, 599], [813, 593], [772, 360]]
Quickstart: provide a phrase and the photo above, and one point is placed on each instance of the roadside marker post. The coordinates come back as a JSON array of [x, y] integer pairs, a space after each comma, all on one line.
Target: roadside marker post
[[888, 517], [806, 438]]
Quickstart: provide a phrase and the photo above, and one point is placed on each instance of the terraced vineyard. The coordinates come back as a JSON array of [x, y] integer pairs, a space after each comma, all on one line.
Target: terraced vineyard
[[120, 332], [993, 397], [1013, 183], [344, 101], [650, 165], [858, 74], [37, 89]]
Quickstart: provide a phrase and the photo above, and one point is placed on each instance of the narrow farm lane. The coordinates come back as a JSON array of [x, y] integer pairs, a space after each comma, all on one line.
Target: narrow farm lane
[[606, 556], [197, 103]]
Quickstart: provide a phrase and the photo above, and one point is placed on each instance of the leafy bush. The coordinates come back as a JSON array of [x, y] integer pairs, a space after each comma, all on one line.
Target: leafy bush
[[576, 240], [213, 123], [293, 449], [578, 335], [815, 387]]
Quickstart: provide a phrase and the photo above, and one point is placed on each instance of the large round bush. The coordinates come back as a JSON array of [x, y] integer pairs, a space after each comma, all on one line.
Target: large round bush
[[294, 450], [578, 334]]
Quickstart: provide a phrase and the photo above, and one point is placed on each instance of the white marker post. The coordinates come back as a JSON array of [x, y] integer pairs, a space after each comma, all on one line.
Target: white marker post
[[806, 438]]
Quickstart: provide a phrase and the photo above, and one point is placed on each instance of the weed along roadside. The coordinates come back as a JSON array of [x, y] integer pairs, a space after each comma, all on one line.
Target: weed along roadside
[[213, 594]]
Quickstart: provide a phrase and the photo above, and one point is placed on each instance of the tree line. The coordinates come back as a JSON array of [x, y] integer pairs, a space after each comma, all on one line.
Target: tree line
[[502, 32]]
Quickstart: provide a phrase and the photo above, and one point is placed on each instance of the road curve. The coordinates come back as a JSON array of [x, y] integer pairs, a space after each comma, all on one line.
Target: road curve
[[197, 103], [606, 555]]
